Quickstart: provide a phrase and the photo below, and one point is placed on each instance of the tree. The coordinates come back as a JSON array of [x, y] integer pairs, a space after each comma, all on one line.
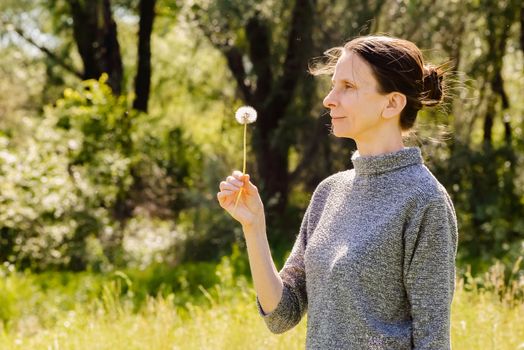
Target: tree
[[143, 74], [95, 34], [268, 88], [500, 16], [270, 71]]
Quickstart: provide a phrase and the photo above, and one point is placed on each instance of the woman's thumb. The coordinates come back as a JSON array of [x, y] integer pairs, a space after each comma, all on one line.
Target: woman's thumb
[[250, 186]]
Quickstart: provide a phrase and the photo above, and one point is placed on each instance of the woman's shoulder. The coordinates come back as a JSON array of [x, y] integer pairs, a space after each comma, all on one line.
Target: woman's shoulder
[[327, 186], [332, 181], [426, 187]]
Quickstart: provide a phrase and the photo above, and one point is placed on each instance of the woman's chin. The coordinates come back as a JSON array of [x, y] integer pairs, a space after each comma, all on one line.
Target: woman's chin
[[341, 133]]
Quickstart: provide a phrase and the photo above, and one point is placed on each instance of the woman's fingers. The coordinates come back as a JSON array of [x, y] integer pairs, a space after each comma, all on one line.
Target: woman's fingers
[[225, 198], [233, 184], [247, 186], [230, 186], [242, 178], [226, 193], [234, 181], [237, 187]]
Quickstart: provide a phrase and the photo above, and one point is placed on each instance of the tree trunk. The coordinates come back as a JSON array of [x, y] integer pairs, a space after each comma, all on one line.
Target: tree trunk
[[271, 95], [269, 140], [497, 39], [488, 123], [95, 34], [497, 84], [143, 75]]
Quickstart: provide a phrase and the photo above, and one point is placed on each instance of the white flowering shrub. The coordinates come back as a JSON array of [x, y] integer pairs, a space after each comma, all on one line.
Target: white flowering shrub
[[151, 240], [39, 201], [57, 186]]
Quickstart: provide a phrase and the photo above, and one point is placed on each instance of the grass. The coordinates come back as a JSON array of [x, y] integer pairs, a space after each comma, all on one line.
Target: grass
[[104, 312]]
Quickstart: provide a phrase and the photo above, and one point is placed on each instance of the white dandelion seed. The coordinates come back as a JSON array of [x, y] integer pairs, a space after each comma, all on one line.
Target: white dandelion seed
[[246, 115]]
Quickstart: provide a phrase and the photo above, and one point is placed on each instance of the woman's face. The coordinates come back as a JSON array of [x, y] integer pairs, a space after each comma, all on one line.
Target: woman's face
[[354, 102]]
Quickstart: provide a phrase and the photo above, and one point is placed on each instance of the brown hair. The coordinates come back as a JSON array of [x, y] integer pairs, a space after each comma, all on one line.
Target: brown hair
[[398, 65]]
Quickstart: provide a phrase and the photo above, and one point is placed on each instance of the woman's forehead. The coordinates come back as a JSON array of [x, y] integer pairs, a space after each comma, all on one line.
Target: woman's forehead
[[350, 66]]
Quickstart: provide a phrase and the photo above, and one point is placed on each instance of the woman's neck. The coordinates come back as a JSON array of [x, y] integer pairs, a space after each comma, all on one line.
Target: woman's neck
[[380, 145], [386, 137]]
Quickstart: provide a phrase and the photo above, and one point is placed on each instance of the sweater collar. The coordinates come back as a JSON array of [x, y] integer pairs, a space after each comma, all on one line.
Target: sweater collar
[[373, 165]]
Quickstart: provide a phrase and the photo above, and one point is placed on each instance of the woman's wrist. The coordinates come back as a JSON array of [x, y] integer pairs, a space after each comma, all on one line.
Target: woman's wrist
[[258, 226]]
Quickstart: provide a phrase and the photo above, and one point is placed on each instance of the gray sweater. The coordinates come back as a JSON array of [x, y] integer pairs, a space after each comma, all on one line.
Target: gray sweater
[[374, 261]]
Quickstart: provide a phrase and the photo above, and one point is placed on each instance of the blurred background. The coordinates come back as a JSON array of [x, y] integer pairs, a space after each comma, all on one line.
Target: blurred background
[[117, 125]]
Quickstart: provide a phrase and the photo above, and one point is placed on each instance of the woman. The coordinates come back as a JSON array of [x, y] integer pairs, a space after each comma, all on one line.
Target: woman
[[374, 260]]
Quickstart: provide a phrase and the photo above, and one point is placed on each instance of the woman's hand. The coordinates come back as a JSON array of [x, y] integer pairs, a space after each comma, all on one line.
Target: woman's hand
[[250, 209]]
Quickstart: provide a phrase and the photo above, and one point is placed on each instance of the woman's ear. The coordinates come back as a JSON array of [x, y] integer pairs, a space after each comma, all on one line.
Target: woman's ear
[[395, 104]]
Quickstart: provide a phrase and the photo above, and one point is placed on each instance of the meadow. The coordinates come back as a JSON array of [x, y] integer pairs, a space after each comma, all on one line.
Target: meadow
[[211, 307]]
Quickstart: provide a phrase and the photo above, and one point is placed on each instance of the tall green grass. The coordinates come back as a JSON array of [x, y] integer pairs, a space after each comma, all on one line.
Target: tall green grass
[[87, 311]]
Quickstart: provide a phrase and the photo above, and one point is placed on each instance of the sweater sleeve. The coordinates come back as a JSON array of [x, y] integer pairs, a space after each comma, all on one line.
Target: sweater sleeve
[[293, 303], [429, 273]]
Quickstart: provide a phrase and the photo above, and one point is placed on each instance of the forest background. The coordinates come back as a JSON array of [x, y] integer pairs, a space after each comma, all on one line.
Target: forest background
[[117, 125]]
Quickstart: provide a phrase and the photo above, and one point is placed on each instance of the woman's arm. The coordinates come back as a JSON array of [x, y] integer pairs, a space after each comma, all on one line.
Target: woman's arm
[[429, 273], [281, 297], [266, 279], [285, 311]]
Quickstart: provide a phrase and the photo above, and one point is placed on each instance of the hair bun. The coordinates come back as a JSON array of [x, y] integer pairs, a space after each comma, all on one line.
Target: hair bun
[[432, 90]]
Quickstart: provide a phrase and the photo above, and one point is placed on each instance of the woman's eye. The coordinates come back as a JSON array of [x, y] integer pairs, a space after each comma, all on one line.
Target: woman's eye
[[345, 86]]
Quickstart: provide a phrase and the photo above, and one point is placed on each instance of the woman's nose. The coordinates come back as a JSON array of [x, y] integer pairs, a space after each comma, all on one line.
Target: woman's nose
[[329, 100]]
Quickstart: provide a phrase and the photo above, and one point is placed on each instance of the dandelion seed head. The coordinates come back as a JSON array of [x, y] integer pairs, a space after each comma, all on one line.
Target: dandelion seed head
[[246, 115]]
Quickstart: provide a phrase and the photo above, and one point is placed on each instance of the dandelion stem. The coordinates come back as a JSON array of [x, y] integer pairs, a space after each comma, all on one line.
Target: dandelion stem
[[245, 146], [243, 166]]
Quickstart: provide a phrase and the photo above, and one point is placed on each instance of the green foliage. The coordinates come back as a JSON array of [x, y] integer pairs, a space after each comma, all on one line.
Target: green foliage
[[63, 192], [98, 128], [127, 171], [483, 185], [37, 200]]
